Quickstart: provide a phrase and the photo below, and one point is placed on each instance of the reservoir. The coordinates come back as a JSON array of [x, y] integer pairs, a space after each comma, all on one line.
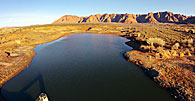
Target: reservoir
[[83, 67]]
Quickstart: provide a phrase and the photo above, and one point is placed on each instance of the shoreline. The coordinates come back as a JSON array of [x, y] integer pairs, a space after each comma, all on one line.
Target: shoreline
[[177, 80], [17, 55], [25, 65]]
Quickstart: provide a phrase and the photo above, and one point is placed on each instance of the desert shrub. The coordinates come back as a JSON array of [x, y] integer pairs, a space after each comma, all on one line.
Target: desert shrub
[[181, 54], [168, 52], [157, 55], [138, 34], [173, 53], [159, 49], [186, 50], [192, 49], [189, 54], [188, 41], [175, 46], [158, 41], [165, 54]]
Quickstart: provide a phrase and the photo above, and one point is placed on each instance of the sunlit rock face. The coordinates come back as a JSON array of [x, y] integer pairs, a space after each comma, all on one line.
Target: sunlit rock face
[[159, 17]]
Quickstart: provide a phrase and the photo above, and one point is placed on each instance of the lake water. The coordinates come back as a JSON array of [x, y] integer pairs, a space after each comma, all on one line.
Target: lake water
[[83, 67]]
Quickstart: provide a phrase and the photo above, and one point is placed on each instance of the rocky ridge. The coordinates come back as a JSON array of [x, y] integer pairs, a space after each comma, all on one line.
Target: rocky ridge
[[159, 17]]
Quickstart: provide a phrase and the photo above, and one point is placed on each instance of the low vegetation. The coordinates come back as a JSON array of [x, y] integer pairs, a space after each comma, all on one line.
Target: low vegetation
[[167, 49], [169, 52]]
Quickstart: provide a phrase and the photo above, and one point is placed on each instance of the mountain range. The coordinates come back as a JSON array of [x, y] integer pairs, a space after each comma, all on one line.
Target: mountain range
[[159, 17]]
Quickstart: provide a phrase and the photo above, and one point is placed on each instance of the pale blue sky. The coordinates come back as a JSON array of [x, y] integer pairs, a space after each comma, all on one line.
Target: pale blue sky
[[28, 12]]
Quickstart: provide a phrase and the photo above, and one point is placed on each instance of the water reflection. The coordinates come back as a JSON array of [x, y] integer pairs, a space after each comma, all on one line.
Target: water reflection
[[22, 94]]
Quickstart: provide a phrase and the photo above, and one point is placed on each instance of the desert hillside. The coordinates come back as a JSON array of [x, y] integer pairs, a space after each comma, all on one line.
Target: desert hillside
[[159, 17]]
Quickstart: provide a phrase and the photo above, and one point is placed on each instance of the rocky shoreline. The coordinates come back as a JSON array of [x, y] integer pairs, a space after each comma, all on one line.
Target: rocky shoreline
[[169, 67], [15, 63], [173, 70], [181, 89]]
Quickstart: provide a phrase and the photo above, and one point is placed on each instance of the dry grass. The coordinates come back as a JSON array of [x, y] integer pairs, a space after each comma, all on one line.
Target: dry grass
[[172, 59]]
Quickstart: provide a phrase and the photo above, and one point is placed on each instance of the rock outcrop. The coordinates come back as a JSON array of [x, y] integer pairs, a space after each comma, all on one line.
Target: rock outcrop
[[159, 17]]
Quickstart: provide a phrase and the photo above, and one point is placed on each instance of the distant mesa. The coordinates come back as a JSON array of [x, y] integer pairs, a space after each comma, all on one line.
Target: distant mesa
[[159, 17]]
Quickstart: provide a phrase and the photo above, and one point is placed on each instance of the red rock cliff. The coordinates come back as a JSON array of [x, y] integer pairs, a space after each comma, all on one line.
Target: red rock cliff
[[159, 17]]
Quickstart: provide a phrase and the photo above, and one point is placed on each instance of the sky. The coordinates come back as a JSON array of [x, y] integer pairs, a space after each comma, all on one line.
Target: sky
[[31, 12]]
